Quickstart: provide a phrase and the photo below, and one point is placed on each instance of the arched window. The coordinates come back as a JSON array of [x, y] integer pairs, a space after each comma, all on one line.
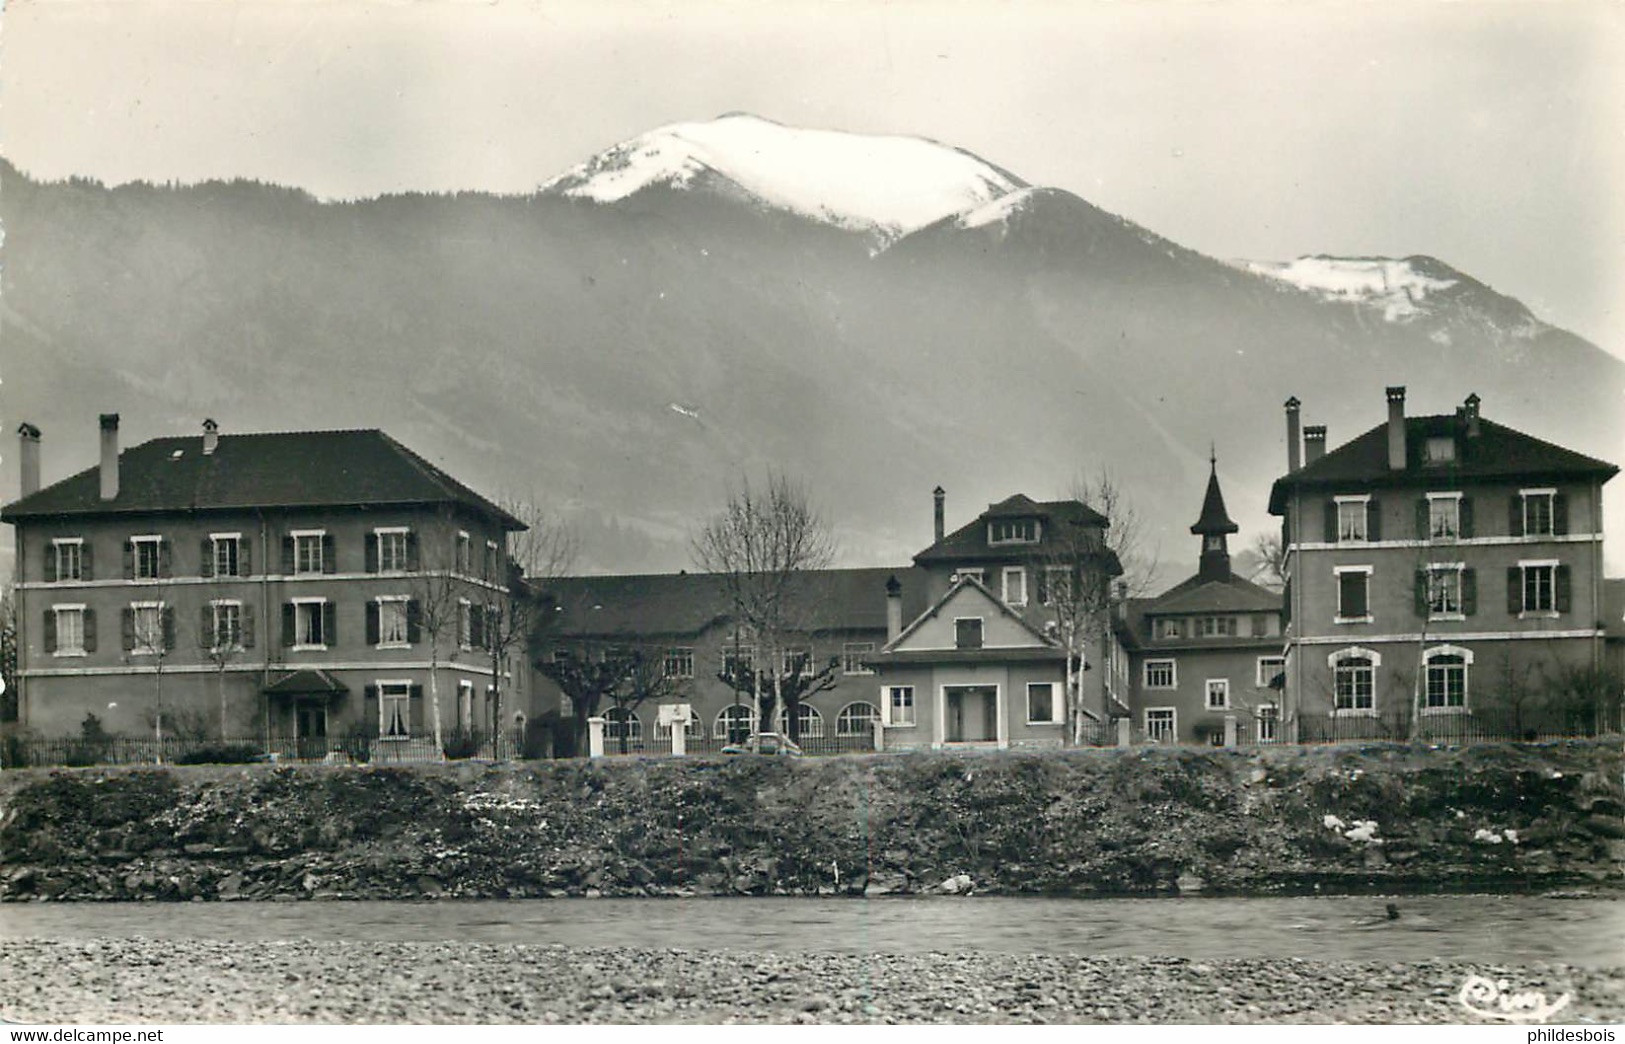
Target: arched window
[[692, 730], [1354, 679], [736, 722], [811, 722], [1447, 677], [619, 723], [857, 719]]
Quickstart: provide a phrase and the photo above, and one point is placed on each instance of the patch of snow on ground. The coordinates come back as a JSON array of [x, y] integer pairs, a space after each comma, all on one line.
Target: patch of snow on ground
[[866, 182], [998, 210], [1392, 285]]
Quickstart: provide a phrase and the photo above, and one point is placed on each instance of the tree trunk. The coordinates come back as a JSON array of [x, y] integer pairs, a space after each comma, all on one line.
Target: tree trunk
[[434, 696]]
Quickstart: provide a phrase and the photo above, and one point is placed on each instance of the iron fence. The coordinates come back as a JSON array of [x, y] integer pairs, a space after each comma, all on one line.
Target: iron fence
[[18, 751], [709, 743]]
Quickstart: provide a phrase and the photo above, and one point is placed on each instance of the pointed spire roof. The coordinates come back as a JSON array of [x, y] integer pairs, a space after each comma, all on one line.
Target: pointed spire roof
[[1215, 519]]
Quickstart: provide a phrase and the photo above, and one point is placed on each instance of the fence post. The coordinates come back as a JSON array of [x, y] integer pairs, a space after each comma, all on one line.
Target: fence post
[[679, 739], [1230, 730], [880, 735], [1124, 734], [595, 737]]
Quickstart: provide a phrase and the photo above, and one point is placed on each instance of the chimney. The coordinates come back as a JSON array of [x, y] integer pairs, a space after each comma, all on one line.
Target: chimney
[[109, 456], [28, 457], [211, 436], [1314, 443], [1396, 428], [1472, 415], [894, 609], [939, 496], [1292, 406]]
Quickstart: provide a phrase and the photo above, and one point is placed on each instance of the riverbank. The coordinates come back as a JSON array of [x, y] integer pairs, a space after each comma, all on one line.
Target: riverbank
[[1157, 821], [190, 981]]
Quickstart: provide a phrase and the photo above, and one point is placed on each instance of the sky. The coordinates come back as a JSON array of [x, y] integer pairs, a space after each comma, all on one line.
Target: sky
[[1490, 135]]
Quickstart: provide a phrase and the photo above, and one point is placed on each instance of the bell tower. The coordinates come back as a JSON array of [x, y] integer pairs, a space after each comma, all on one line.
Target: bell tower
[[1214, 527]]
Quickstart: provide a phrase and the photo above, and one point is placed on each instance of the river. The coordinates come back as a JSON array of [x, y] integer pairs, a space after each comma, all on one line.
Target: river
[[1482, 928]]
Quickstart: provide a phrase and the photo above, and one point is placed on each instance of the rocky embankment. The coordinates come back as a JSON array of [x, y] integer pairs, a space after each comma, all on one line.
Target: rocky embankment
[[1143, 821]]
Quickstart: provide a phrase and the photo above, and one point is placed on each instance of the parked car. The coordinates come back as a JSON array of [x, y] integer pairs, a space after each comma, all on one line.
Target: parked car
[[766, 743]]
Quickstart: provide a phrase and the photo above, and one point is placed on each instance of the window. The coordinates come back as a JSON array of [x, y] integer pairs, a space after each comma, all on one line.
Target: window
[[225, 554], [679, 662], [809, 722], [1353, 594], [392, 629], [1218, 694], [307, 551], [1160, 674], [1055, 585], [899, 704], [146, 557], [738, 660], [1269, 717], [796, 661], [69, 637], [1354, 677], [1444, 516], [1013, 531], [735, 723], [1447, 678], [465, 554], [310, 623], [1439, 449], [620, 724], [1269, 669], [391, 549], [854, 657], [68, 559], [968, 632], [1352, 516], [1261, 624], [1042, 706], [1539, 587], [1538, 512], [225, 626], [147, 628], [1443, 591], [465, 627], [1015, 585], [1161, 724], [857, 719], [394, 710], [1168, 628], [491, 560], [1217, 626]]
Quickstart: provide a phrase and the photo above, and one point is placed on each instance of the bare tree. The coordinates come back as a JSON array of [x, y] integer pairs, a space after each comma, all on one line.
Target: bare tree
[[8, 658], [434, 612], [537, 556], [792, 683], [225, 632], [586, 673], [643, 678], [150, 632], [1272, 564]]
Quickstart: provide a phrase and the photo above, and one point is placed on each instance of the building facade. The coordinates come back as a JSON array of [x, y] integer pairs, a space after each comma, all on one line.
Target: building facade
[[284, 588]]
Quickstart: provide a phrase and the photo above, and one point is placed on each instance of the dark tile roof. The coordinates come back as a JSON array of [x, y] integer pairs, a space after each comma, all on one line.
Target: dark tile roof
[[1498, 452], [969, 543], [1234, 595], [688, 603], [306, 682], [1214, 518], [262, 470]]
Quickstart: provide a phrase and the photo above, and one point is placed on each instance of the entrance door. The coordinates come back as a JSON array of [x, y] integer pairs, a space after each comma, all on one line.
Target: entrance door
[[972, 713], [311, 732]]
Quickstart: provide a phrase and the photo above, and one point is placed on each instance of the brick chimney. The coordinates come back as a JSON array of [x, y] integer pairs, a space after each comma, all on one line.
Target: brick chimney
[[109, 456], [1314, 443], [939, 497], [211, 436], [1472, 415], [894, 609], [1396, 428], [1292, 438], [28, 457]]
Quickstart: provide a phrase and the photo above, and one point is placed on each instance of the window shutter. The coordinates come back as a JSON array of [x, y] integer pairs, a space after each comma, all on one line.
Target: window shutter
[[414, 622], [411, 549], [370, 714], [205, 626], [1514, 590], [1560, 514], [50, 564], [1373, 519], [287, 556], [129, 560], [1561, 589], [50, 631], [329, 559], [416, 708], [206, 557], [1515, 515], [476, 627], [168, 619], [127, 624], [885, 705], [1331, 521], [86, 572], [1422, 593], [1422, 529], [1466, 517], [245, 558], [246, 616], [330, 634], [373, 631], [287, 623], [462, 633], [1469, 592], [372, 552], [166, 564], [89, 617]]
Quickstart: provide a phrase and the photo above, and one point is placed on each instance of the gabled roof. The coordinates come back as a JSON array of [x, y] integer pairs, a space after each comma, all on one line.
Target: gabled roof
[[293, 469], [962, 584], [969, 543], [307, 681], [1234, 595], [686, 604], [1497, 452]]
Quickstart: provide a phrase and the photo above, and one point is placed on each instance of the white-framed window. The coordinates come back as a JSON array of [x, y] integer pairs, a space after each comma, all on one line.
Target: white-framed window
[[1269, 720], [793, 657], [70, 630], [309, 623], [898, 704], [1444, 516], [307, 550], [1015, 585], [392, 629], [1043, 703], [1446, 667], [1351, 518], [1539, 587], [492, 561], [1538, 516], [678, 662], [1444, 590], [1168, 627], [691, 729], [146, 557], [1216, 626], [465, 625], [1354, 680], [967, 632], [226, 625], [391, 549], [465, 554], [147, 628], [734, 722], [1439, 449], [738, 660], [225, 552], [1161, 674], [465, 704], [1013, 531], [1056, 585], [1218, 693], [1161, 724], [1353, 594], [857, 719], [1269, 668], [808, 720], [855, 657], [394, 710], [69, 555], [620, 723]]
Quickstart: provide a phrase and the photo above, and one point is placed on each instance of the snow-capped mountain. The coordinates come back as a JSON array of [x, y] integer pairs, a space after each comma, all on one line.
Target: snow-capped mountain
[[887, 186]]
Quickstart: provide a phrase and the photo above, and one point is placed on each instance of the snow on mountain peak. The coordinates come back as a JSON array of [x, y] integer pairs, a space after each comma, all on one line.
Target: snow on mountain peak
[[1397, 286], [889, 185], [997, 210]]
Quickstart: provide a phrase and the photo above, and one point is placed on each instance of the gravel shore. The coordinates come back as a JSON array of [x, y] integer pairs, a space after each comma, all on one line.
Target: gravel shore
[[190, 981]]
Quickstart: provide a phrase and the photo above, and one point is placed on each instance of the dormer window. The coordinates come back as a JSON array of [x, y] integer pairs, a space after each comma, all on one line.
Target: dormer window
[[1013, 531], [1439, 449]]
